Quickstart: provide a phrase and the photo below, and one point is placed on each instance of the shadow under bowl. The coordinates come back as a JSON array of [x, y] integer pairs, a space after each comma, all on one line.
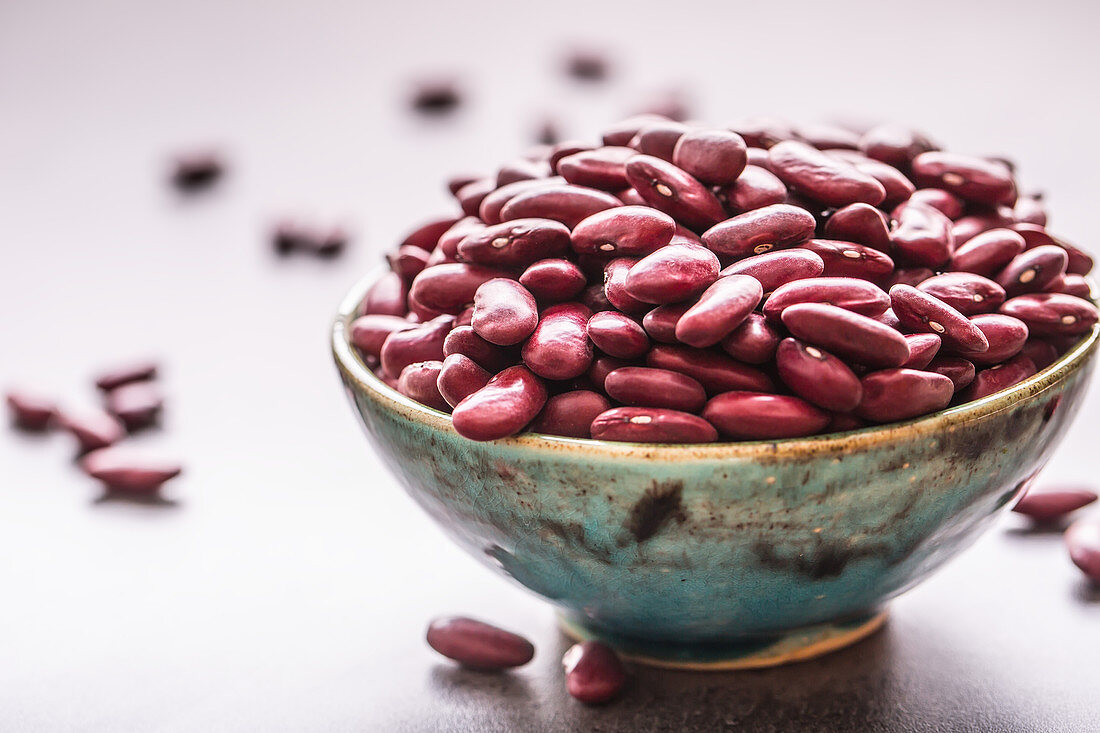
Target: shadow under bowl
[[723, 555]]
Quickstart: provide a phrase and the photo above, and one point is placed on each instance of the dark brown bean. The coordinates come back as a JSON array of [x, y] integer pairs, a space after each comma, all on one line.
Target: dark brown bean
[[617, 335], [602, 168], [997, 378], [1033, 270], [436, 97], [422, 343], [1006, 336], [773, 269], [974, 179], [626, 231], [553, 280], [721, 308], [566, 203], [516, 244], [894, 144], [136, 371], [923, 348], [1049, 504], [420, 382], [652, 425], [471, 195], [672, 274], [559, 347], [137, 404], [890, 395], [503, 407], [987, 253], [197, 170], [426, 236], [820, 177], [478, 645], [669, 189], [848, 259], [1052, 314], [846, 334], [570, 414], [1083, 542], [760, 416], [947, 203], [716, 372], [966, 292], [30, 411], [593, 672], [588, 65], [760, 230], [860, 223], [464, 340], [923, 313], [368, 333], [653, 387], [858, 296], [614, 288], [93, 428], [817, 376], [459, 377], [658, 139], [1042, 353], [505, 313], [753, 342], [125, 470], [960, 371], [715, 157], [755, 188], [922, 235], [450, 287]]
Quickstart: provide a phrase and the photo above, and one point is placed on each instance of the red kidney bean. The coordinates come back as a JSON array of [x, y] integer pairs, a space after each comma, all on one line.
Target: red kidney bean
[[960, 371], [459, 377], [1049, 504], [601, 367], [124, 470], [137, 404], [631, 231], [923, 313], [457, 181], [1080, 262], [671, 274], [859, 223], [658, 139], [491, 206], [522, 169], [504, 312], [894, 144], [898, 188], [137, 371], [684, 235], [427, 235], [570, 414], [559, 347], [593, 672], [842, 422], [478, 645], [773, 269], [922, 235], [755, 188], [846, 334], [664, 186], [1033, 270], [602, 168], [450, 287], [623, 132], [1052, 314], [408, 261], [858, 296], [422, 343], [1070, 284], [660, 323], [1030, 210], [368, 333], [973, 179], [617, 335], [471, 195], [967, 227], [760, 416], [652, 425], [563, 150], [763, 132], [653, 387], [890, 395], [820, 177], [721, 308], [911, 276], [827, 137], [449, 240], [889, 318], [988, 253], [848, 259], [760, 230], [502, 407], [716, 372], [566, 203], [386, 297], [1006, 336], [464, 340], [817, 376], [93, 428], [947, 203], [553, 280], [1083, 542], [1042, 353], [516, 244], [30, 411], [595, 299], [966, 292], [1000, 377], [420, 382], [759, 158], [922, 349], [715, 157], [614, 289], [753, 342]]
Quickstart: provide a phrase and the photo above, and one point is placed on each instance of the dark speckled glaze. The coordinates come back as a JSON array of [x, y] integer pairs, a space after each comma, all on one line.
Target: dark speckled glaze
[[721, 546]]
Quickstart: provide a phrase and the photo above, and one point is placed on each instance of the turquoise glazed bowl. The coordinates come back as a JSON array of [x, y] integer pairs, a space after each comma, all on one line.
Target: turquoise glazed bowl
[[723, 555]]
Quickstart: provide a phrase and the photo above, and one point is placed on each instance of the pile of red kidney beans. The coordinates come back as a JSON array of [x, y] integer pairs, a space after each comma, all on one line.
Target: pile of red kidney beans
[[681, 284]]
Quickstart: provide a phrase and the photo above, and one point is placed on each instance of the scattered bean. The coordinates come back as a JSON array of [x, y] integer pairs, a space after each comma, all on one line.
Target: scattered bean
[[1050, 504], [30, 411], [125, 470], [1083, 542], [478, 645], [593, 672]]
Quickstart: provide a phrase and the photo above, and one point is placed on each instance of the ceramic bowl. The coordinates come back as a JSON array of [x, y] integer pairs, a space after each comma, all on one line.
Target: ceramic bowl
[[723, 555]]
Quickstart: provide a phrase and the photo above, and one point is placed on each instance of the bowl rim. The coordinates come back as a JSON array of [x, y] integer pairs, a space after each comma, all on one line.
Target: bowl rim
[[352, 367]]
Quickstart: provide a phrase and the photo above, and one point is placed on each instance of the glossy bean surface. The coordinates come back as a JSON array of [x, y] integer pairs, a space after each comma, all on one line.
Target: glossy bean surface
[[503, 407], [420, 381], [761, 230], [923, 313], [570, 414], [617, 335], [858, 296], [654, 387], [849, 335], [553, 280], [625, 231], [899, 394], [966, 292], [652, 425], [672, 274], [559, 347], [459, 377], [716, 372], [817, 376], [669, 189], [760, 416], [773, 269], [505, 313], [567, 204], [823, 178], [515, 244], [478, 645], [721, 308]]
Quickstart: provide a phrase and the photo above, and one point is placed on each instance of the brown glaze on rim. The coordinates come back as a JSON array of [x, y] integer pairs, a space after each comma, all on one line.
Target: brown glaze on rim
[[932, 425]]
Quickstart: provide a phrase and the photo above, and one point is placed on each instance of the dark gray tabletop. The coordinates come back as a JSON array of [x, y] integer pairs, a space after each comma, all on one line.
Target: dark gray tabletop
[[287, 583]]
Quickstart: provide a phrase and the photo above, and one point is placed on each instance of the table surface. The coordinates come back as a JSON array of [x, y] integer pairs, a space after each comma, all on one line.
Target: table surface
[[286, 581]]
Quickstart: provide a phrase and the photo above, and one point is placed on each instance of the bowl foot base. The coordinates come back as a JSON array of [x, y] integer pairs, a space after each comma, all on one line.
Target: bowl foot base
[[795, 646]]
